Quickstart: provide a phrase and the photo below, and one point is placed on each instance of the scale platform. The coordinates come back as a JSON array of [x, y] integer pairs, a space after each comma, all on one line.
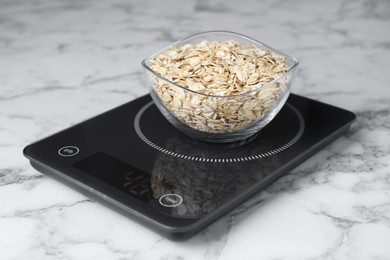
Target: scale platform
[[133, 160]]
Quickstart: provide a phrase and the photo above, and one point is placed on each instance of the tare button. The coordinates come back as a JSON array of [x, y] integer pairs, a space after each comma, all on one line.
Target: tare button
[[170, 200], [67, 151]]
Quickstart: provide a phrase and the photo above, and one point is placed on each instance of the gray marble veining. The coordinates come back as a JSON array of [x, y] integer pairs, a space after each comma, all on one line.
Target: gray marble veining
[[64, 61]]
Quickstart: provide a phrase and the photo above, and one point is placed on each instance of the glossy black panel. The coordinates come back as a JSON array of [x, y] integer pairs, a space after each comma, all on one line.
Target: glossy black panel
[[134, 156]]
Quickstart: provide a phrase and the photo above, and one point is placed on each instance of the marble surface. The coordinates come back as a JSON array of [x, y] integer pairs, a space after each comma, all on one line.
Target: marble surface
[[64, 61]]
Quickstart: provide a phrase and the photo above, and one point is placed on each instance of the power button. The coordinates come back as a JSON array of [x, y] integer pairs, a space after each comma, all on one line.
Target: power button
[[68, 151], [170, 200]]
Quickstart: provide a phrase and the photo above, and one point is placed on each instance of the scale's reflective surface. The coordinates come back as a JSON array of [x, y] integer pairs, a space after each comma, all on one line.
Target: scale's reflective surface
[[132, 159]]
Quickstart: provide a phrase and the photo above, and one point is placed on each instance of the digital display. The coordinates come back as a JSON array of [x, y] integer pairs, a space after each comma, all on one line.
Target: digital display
[[118, 174]]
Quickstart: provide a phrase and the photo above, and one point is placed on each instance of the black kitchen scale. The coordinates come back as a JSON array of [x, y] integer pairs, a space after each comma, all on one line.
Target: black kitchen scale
[[132, 159]]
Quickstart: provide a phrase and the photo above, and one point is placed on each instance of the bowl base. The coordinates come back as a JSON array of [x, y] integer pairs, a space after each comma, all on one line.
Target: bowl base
[[231, 141]]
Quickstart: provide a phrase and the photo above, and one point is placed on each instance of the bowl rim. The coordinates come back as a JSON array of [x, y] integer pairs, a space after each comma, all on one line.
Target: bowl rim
[[150, 57]]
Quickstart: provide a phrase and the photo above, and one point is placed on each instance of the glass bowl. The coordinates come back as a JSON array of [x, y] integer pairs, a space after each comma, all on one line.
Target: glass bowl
[[219, 118]]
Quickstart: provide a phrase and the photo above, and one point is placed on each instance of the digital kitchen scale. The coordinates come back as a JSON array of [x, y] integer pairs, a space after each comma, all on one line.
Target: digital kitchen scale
[[132, 159]]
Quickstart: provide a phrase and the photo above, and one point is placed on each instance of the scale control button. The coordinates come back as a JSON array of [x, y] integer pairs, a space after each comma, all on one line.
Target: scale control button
[[68, 151], [170, 200]]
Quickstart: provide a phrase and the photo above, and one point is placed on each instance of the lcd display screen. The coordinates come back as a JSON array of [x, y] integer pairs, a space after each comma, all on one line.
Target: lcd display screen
[[118, 174]]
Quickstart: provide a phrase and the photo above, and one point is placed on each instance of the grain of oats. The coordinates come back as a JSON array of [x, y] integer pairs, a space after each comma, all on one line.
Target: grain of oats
[[219, 72]]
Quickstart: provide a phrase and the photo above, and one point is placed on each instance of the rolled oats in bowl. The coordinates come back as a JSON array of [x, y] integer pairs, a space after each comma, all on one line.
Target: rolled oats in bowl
[[219, 86]]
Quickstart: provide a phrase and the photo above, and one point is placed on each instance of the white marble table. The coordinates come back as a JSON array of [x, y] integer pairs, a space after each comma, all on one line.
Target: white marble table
[[64, 61]]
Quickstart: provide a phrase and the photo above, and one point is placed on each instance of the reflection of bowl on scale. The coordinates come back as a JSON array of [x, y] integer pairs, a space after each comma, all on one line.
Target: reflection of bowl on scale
[[204, 186]]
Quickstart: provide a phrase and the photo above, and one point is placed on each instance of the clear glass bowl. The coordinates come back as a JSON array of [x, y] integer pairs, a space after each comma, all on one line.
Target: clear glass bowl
[[197, 115]]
